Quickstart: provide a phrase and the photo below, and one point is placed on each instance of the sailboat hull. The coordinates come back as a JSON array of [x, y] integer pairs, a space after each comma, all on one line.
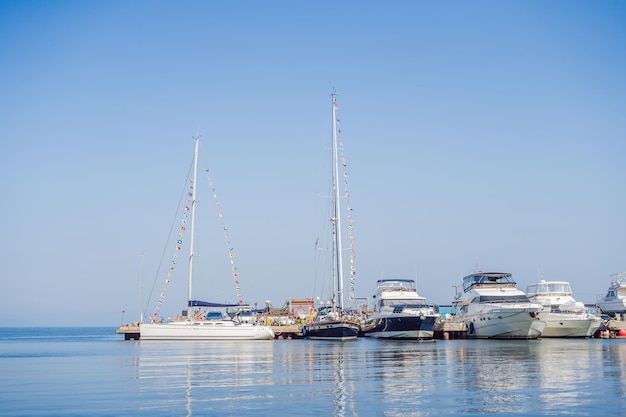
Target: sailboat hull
[[331, 330], [204, 330]]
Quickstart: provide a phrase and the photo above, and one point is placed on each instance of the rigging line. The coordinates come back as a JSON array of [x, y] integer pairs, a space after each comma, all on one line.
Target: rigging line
[[178, 247], [169, 235], [230, 249], [348, 206]]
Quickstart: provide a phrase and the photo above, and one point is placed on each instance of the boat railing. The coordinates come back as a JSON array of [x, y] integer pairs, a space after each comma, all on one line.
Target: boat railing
[[515, 304]]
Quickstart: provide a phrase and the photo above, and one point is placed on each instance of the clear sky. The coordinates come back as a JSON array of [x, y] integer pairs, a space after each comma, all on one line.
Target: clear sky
[[481, 134]]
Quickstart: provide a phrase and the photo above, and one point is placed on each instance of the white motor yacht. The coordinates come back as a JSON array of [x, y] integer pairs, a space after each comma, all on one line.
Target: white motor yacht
[[564, 316], [400, 312], [492, 307]]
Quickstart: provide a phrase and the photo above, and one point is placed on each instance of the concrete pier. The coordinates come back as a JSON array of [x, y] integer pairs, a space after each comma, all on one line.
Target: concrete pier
[[130, 331], [448, 330]]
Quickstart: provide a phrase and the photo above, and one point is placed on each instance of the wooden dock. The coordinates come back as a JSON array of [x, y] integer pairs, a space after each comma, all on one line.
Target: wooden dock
[[292, 331], [443, 331], [130, 331]]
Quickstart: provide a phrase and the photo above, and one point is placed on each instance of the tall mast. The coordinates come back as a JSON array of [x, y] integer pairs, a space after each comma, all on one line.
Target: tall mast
[[337, 208], [193, 216]]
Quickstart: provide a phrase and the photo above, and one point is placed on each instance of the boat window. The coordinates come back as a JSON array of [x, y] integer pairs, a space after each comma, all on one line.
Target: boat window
[[556, 287], [521, 298], [469, 281], [214, 315], [403, 302], [493, 279], [549, 287], [400, 284]]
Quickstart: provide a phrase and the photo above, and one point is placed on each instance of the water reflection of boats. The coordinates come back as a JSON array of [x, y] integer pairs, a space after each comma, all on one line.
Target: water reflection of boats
[[564, 316], [196, 377], [400, 312], [494, 375], [567, 373], [492, 307], [342, 393]]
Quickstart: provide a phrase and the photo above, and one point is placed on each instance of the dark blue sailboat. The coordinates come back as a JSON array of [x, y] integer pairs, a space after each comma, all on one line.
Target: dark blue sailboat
[[332, 323]]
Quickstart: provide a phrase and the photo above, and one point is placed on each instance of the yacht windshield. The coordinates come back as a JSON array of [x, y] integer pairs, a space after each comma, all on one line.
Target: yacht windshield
[[502, 299], [403, 302], [549, 287]]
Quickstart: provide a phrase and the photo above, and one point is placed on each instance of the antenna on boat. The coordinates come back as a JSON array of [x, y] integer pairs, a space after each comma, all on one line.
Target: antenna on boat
[[141, 288]]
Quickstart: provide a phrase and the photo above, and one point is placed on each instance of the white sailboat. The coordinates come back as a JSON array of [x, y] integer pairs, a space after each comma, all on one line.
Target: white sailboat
[[203, 325], [332, 323]]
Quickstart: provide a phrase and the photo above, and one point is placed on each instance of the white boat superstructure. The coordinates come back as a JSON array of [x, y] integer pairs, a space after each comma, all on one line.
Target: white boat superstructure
[[564, 316], [400, 312], [197, 323], [614, 302], [492, 307]]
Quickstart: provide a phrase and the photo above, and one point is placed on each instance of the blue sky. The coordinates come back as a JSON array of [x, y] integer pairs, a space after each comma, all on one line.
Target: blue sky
[[480, 133]]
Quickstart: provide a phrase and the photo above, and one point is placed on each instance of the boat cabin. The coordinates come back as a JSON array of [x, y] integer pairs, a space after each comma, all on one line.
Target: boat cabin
[[488, 279], [616, 291], [398, 294]]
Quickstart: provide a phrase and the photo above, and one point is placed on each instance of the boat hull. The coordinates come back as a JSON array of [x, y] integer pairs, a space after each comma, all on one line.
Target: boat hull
[[504, 323], [401, 327], [613, 307], [570, 325], [204, 330], [331, 330]]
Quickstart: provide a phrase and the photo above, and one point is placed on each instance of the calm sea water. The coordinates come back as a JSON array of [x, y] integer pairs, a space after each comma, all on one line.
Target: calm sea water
[[94, 372]]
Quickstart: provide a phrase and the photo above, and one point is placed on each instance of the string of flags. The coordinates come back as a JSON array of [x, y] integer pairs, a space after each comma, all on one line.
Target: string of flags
[[231, 253], [351, 236], [177, 249]]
